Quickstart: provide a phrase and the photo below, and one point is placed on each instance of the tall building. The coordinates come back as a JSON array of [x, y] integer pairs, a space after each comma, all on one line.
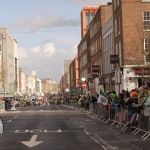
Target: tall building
[[132, 42], [22, 82], [102, 16], [45, 86], [87, 14], [67, 72], [90, 48], [8, 64], [38, 87], [107, 78], [74, 73], [84, 59], [53, 87]]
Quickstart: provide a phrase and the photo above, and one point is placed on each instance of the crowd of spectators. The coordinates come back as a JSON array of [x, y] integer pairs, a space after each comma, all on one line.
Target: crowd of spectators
[[128, 107]]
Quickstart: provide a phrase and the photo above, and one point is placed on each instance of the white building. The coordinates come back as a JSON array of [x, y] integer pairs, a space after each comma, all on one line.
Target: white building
[[38, 87], [22, 82], [8, 64]]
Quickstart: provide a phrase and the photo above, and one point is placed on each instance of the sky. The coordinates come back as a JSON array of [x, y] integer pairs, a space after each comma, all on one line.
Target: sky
[[47, 31]]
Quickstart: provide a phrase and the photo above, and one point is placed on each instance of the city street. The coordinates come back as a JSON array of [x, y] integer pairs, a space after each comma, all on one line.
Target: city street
[[58, 127]]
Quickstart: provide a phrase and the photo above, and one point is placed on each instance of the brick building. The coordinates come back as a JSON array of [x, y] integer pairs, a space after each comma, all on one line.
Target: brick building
[[45, 86], [102, 16], [132, 42], [74, 73], [87, 14], [84, 58]]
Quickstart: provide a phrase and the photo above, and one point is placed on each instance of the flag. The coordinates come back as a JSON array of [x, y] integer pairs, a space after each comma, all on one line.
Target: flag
[[102, 98]]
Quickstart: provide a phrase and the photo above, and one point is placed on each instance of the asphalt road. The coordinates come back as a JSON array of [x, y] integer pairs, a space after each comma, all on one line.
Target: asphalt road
[[59, 127]]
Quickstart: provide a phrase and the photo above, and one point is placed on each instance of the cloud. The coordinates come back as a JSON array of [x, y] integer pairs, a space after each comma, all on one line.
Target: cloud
[[46, 60], [43, 21], [72, 53], [23, 53], [36, 49], [49, 49]]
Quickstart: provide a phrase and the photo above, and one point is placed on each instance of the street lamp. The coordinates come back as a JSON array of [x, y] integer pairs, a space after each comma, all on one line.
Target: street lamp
[[83, 79]]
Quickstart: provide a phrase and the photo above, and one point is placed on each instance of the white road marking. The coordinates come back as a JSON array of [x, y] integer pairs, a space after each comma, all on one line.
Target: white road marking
[[86, 132], [104, 147], [107, 144], [127, 142], [21, 131], [15, 116], [32, 142], [95, 140], [117, 136], [9, 120], [58, 131], [29, 110], [37, 131]]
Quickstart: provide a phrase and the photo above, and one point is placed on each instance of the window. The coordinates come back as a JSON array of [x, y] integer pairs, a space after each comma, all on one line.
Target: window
[[117, 2], [119, 25], [147, 50], [146, 21], [92, 15], [115, 27], [116, 50], [87, 19], [120, 52], [114, 5]]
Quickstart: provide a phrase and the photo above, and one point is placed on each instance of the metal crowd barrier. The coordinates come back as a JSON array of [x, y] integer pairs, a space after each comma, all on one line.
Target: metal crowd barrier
[[119, 117], [2, 106]]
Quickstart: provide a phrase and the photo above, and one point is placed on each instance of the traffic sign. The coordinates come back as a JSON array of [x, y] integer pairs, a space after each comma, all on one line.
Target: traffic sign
[[84, 85]]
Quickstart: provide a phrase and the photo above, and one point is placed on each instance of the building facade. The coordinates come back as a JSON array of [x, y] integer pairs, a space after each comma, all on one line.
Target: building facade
[[87, 14], [102, 16], [45, 86], [53, 87], [90, 49], [67, 73], [38, 87], [8, 64], [22, 82], [107, 78], [74, 73], [84, 59], [132, 42]]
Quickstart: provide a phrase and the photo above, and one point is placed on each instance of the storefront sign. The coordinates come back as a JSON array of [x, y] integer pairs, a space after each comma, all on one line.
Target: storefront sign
[[145, 72], [114, 59], [84, 85], [95, 69]]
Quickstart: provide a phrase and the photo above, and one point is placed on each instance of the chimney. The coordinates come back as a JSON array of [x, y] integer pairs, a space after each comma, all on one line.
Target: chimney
[[109, 3]]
